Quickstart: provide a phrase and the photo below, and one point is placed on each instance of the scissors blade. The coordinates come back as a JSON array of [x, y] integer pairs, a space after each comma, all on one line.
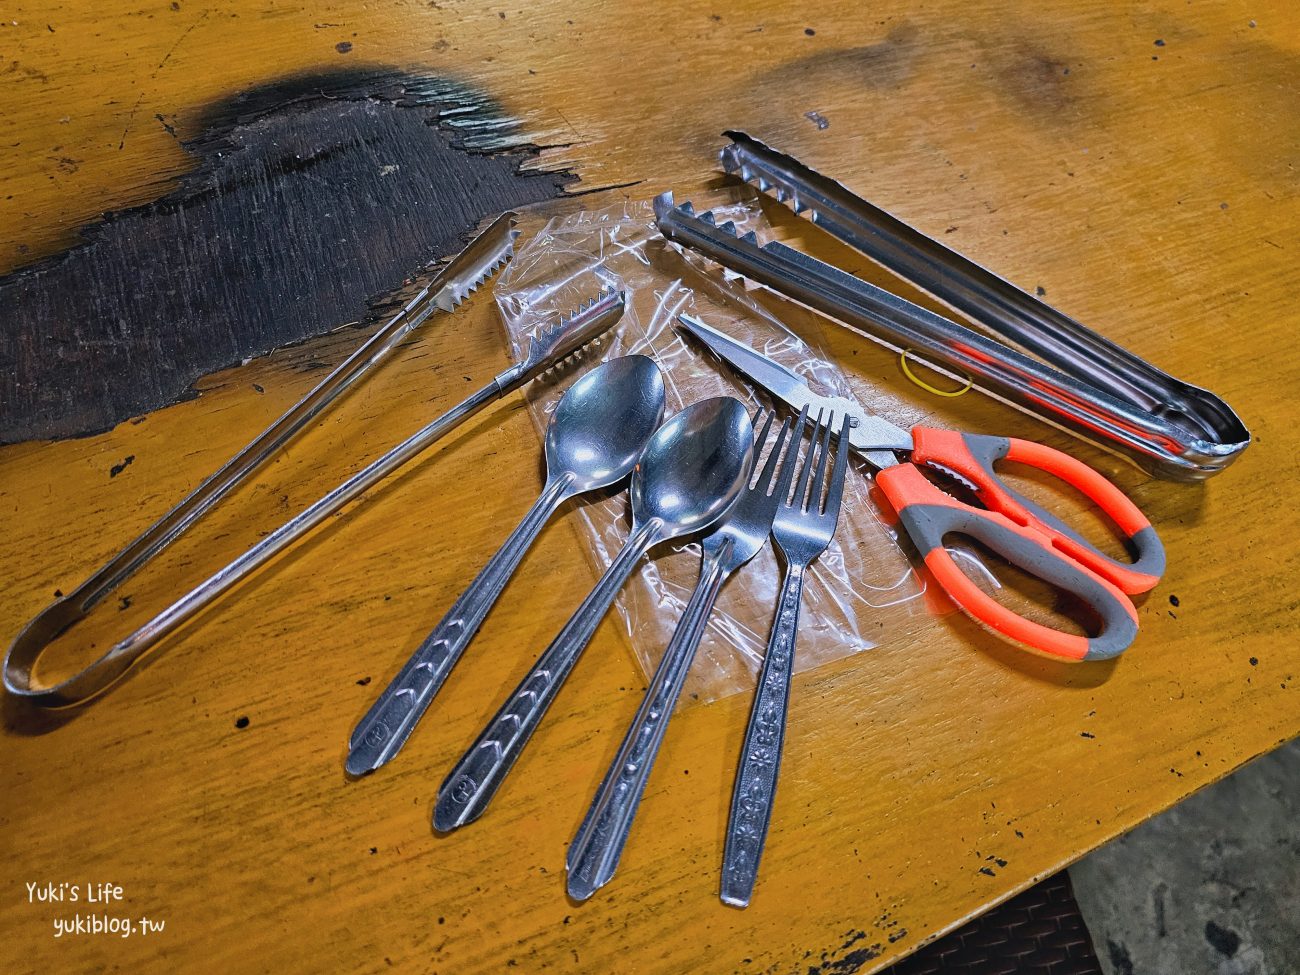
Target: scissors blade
[[869, 435]]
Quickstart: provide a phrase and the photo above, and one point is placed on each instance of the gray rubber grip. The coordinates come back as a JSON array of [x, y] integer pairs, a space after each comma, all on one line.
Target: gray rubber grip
[[928, 525], [1145, 546]]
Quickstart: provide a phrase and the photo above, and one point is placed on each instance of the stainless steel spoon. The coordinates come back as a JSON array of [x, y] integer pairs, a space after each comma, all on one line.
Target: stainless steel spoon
[[595, 436], [691, 473]]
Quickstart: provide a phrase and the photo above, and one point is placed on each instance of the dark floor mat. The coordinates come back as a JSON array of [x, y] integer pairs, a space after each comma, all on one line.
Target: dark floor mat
[[1038, 932]]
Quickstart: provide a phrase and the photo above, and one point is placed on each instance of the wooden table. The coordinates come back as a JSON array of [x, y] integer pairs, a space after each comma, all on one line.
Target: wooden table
[[1137, 165]]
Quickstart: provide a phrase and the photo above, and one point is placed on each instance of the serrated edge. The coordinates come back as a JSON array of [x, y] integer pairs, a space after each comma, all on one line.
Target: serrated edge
[[450, 296], [961, 478], [765, 183], [542, 342]]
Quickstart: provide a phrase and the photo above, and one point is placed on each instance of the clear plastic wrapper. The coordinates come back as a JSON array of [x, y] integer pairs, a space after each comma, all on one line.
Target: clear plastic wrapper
[[863, 572]]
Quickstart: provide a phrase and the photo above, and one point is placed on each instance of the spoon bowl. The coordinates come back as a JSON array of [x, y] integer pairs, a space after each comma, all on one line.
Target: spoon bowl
[[603, 422], [693, 468]]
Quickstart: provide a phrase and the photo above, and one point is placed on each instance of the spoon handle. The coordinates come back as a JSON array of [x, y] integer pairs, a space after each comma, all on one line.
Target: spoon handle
[[598, 845], [466, 791], [760, 755], [389, 722]]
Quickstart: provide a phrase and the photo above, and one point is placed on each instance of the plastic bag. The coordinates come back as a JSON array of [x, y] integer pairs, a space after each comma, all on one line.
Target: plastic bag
[[863, 570]]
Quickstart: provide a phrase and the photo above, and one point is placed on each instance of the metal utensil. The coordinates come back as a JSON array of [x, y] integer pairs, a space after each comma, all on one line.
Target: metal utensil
[[1009, 523], [1097, 390], [547, 347], [802, 528], [596, 434], [692, 471], [465, 272], [595, 851]]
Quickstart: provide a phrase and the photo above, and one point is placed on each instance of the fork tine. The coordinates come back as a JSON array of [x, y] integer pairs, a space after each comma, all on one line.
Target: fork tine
[[800, 499], [824, 439], [763, 483], [791, 458], [836, 491], [765, 416]]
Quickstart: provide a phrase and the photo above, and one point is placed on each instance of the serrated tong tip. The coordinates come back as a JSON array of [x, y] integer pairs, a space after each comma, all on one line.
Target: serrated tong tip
[[484, 256], [572, 332], [738, 158], [664, 206]]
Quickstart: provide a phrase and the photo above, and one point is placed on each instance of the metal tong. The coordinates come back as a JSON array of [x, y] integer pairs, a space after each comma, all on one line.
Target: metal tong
[[1097, 389], [451, 285]]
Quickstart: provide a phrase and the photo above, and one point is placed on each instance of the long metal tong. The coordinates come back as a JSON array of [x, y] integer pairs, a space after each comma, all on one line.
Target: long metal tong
[[488, 251], [1097, 389], [461, 275]]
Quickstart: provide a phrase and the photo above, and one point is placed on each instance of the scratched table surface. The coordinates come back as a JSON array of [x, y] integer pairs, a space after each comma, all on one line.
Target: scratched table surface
[[186, 185]]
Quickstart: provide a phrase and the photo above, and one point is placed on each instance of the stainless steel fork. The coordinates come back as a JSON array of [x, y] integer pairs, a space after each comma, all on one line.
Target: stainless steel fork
[[595, 851], [803, 527]]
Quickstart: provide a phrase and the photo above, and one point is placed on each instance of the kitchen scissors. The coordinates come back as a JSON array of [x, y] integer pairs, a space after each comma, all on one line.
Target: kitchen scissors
[[1011, 525]]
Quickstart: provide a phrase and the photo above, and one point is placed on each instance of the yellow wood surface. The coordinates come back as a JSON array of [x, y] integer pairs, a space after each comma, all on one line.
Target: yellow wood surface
[[1151, 190]]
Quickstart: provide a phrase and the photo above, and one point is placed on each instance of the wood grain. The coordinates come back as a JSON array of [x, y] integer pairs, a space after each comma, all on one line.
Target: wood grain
[[1149, 190]]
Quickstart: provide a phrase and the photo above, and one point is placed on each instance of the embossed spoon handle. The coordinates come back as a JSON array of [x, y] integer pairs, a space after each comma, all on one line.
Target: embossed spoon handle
[[387, 725], [470, 786], [760, 756], [595, 851]]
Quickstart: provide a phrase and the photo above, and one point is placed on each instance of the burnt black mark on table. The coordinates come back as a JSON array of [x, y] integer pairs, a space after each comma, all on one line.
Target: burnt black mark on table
[[1036, 82], [846, 959], [310, 195]]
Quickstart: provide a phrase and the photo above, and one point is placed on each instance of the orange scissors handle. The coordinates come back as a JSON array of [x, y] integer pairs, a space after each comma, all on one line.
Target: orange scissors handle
[[1027, 536]]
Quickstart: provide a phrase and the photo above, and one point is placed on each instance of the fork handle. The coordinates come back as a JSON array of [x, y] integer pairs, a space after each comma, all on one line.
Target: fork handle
[[470, 786], [596, 848], [389, 722], [760, 756]]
